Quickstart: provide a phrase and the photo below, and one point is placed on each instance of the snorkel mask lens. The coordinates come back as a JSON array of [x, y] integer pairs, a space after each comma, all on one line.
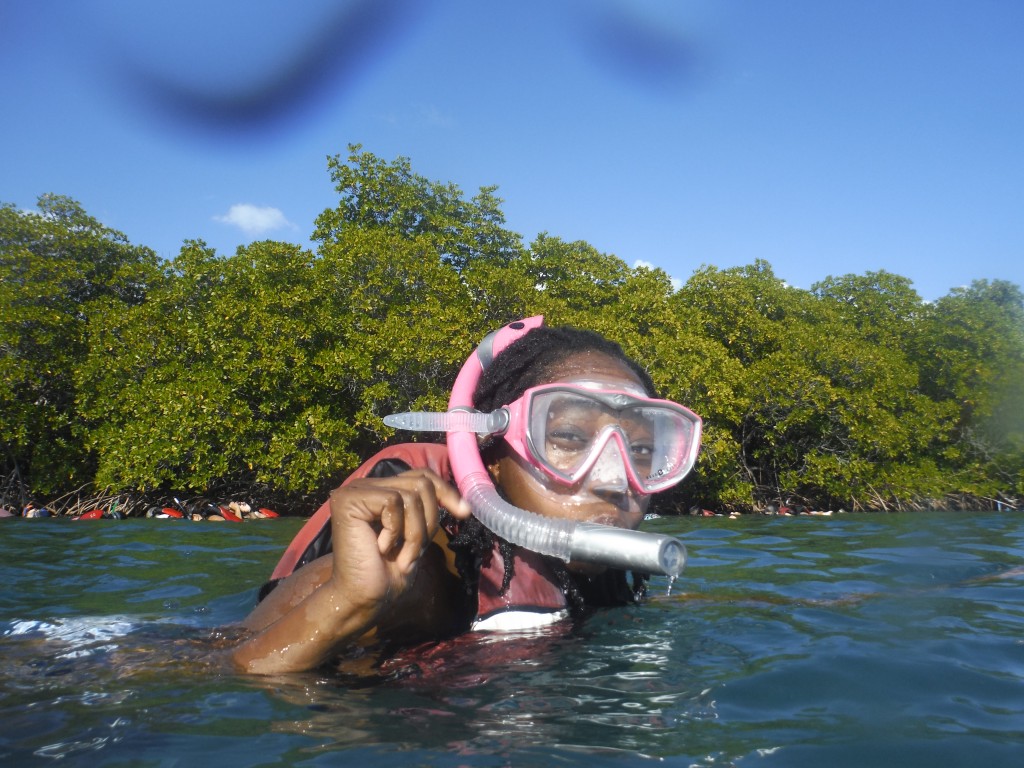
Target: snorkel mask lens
[[564, 429]]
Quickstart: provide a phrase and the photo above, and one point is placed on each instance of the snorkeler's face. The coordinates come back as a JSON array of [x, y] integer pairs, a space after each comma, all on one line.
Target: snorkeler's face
[[604, 494]]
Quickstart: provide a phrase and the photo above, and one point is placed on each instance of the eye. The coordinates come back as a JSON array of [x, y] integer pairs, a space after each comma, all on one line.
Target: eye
[[642, 456], [568, 438]]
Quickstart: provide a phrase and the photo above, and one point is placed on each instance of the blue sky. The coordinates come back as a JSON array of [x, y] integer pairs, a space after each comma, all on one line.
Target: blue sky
[[825, 137]]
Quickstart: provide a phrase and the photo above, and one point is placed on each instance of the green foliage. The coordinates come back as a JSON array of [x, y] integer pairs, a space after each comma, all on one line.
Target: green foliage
[[880, 306], [59, 268], [412, 275], [213, 380], [742, 309], [824, 401], [273, 367], [574, 280], [970, 353], [376, 194]]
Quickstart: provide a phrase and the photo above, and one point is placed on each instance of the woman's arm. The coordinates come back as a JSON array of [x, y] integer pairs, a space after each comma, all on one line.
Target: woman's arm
[[380, 530]]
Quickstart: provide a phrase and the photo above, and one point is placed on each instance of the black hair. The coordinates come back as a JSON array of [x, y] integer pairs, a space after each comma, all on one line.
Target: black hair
[[528, 362]]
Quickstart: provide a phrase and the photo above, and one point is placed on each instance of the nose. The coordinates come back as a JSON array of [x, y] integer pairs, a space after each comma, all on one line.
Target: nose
[[608, 478]]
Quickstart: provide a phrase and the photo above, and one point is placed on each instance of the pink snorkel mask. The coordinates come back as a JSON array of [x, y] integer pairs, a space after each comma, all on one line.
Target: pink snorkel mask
[[657, 439], [564, 430]]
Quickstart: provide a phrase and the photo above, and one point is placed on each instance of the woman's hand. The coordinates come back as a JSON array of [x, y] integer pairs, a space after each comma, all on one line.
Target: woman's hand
[[380, 528]]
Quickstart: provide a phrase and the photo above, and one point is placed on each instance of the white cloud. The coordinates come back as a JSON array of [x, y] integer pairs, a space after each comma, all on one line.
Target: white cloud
[[254, 220]]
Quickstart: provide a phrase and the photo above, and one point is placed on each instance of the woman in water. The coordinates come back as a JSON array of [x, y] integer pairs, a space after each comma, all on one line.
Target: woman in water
[[397, 555]]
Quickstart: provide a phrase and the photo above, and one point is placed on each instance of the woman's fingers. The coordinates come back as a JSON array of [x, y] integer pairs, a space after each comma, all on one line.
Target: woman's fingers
[[401, 510], [405, 509], [410, 526], [420, 524], [449, 498]]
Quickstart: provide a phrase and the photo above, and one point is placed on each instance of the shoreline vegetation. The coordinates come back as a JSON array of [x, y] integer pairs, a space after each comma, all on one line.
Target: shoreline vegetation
[[257, 506], [262, 377], [93, 504]]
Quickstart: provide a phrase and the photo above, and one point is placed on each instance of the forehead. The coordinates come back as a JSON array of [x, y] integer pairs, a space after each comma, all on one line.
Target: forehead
[[596, 368]]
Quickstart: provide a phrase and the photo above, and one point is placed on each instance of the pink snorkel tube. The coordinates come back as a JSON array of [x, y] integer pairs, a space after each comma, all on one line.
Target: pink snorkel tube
[[566, 539]]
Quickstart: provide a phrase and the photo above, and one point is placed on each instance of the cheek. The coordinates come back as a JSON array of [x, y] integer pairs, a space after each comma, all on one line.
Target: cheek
[[529, 489], [522, 487]]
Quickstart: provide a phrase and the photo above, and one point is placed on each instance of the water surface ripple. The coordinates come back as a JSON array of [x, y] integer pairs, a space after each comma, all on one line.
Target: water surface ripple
[[845, 641]]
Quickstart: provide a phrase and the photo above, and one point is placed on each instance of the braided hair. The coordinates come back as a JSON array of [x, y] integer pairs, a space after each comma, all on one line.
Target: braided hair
[[529, 362]]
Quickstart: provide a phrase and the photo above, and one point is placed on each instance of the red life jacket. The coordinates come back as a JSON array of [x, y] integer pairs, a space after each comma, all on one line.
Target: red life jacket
[[313, 539], [532, 590]]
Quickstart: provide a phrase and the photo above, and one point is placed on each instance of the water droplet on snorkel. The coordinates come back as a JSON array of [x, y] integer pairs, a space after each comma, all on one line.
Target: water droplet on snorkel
[[673, 559]]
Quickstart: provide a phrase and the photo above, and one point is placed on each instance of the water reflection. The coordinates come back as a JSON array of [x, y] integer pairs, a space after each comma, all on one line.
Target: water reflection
[[848, 641]]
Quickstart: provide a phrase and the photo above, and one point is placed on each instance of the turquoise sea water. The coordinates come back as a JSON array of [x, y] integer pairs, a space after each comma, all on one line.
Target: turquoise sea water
[[855, 640]]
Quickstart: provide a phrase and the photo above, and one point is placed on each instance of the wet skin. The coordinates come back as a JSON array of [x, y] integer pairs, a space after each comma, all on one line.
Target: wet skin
[[603, 496]]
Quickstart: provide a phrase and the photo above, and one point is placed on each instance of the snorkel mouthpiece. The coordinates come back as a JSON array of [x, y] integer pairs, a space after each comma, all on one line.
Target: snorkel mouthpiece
[[628, 550], [567, 540], [556, 537]]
